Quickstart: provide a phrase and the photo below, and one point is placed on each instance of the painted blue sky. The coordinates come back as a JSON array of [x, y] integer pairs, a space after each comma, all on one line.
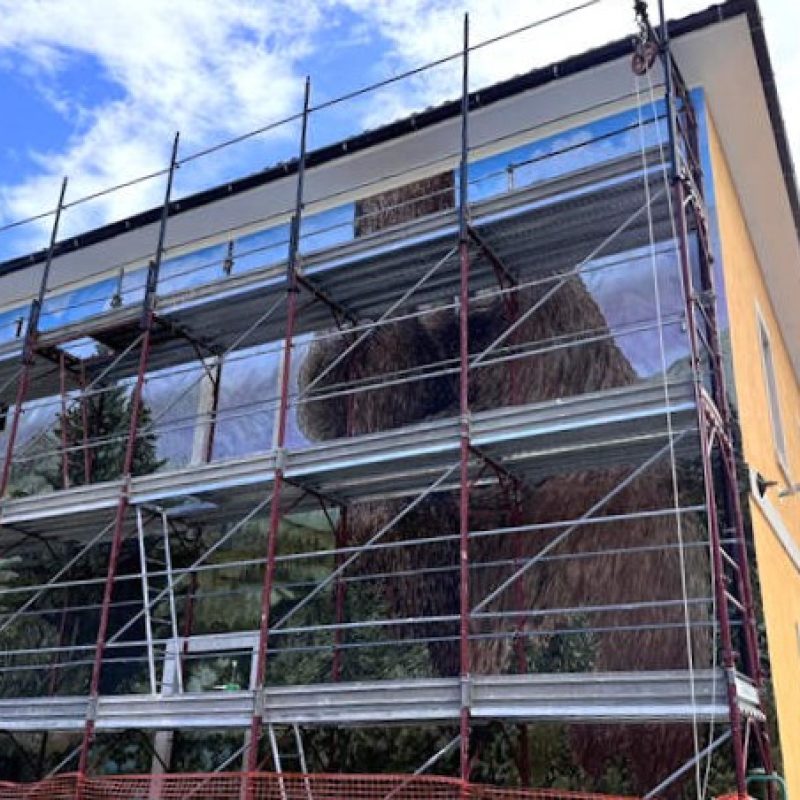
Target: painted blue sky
[[95, 89]]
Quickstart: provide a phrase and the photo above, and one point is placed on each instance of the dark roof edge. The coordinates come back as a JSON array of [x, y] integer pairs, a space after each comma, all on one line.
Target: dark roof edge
[[432, 116], [386, 133]]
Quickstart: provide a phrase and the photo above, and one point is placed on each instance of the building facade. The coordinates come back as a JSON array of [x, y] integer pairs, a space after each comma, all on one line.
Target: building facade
[[423, 452]]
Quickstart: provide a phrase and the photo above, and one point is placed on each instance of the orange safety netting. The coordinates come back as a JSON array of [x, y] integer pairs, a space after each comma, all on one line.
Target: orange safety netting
[[271, 786]]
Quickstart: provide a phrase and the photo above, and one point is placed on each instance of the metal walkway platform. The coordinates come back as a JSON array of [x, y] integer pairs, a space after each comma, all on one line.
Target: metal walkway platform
[[613, 697], [536, 231], [621, 426]]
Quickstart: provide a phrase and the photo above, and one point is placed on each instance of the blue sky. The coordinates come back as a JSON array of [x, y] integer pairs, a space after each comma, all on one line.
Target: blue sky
[[94, 89]]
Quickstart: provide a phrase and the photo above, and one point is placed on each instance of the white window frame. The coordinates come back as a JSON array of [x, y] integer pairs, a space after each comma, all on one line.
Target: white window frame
[[772, 390]]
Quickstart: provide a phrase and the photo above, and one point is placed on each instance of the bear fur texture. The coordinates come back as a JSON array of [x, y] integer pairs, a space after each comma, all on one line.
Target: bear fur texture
[[575, 576]]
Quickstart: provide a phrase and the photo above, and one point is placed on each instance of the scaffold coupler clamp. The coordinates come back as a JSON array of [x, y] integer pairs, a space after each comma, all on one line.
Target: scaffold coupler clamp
[[125, 489], [466, 425], [227, 264], [280, 459], [260, 704], [150, 290], [466, 691], [31, 332], [29, 349], [730, 677], [297, 266]]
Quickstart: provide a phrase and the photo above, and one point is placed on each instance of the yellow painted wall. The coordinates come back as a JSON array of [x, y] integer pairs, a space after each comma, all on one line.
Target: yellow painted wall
[[779, 575]]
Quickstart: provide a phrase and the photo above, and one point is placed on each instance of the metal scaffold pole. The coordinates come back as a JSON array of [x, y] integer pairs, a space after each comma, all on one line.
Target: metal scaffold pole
[[340, 592], [65, 443], [464, 491], [29, 346], [342, 540], [84, 409], [292, 290], [147, 323], [714, 416], [707, 435]]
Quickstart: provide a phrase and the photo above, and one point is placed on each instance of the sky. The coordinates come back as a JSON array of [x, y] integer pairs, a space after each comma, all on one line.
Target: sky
[[95, 89]]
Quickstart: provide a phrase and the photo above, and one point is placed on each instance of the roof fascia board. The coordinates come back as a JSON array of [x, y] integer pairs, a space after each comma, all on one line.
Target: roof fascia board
[[404, 127]]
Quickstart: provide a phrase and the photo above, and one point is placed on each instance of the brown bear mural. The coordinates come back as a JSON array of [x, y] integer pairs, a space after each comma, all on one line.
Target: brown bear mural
[[632, 567]]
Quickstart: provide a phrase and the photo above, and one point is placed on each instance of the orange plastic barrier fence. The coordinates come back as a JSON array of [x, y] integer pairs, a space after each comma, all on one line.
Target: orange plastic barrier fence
[[270, 786]]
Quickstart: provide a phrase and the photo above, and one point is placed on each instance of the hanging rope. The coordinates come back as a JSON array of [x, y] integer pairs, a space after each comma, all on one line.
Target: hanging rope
[[712, 594], [668, 419]]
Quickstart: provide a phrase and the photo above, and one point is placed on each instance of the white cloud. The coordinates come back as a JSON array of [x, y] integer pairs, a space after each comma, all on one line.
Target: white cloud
[[423, 30], [214, 70], [207, 68], [420, 31]]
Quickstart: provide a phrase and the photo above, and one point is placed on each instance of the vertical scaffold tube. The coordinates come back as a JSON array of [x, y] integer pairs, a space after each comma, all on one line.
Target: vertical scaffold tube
[[464, 500], [87, 453], [65, 439], [342, 539], [706, 446], [280, 441], [340, 589], [514, 499], [148, 312]]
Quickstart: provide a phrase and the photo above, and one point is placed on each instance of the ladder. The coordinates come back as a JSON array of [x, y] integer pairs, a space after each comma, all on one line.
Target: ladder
[[154, 571], [299, 756]]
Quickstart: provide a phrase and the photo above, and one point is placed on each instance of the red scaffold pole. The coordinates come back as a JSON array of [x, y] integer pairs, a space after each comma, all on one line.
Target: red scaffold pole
[[29, 347], [292, 290], [147, 319]]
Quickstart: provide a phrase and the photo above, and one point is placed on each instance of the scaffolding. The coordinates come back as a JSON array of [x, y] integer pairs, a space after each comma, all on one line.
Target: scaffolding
[[473, 470]]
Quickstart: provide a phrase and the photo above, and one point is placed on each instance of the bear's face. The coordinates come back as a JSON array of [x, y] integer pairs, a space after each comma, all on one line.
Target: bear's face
[[396, 376], [408, 371]]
